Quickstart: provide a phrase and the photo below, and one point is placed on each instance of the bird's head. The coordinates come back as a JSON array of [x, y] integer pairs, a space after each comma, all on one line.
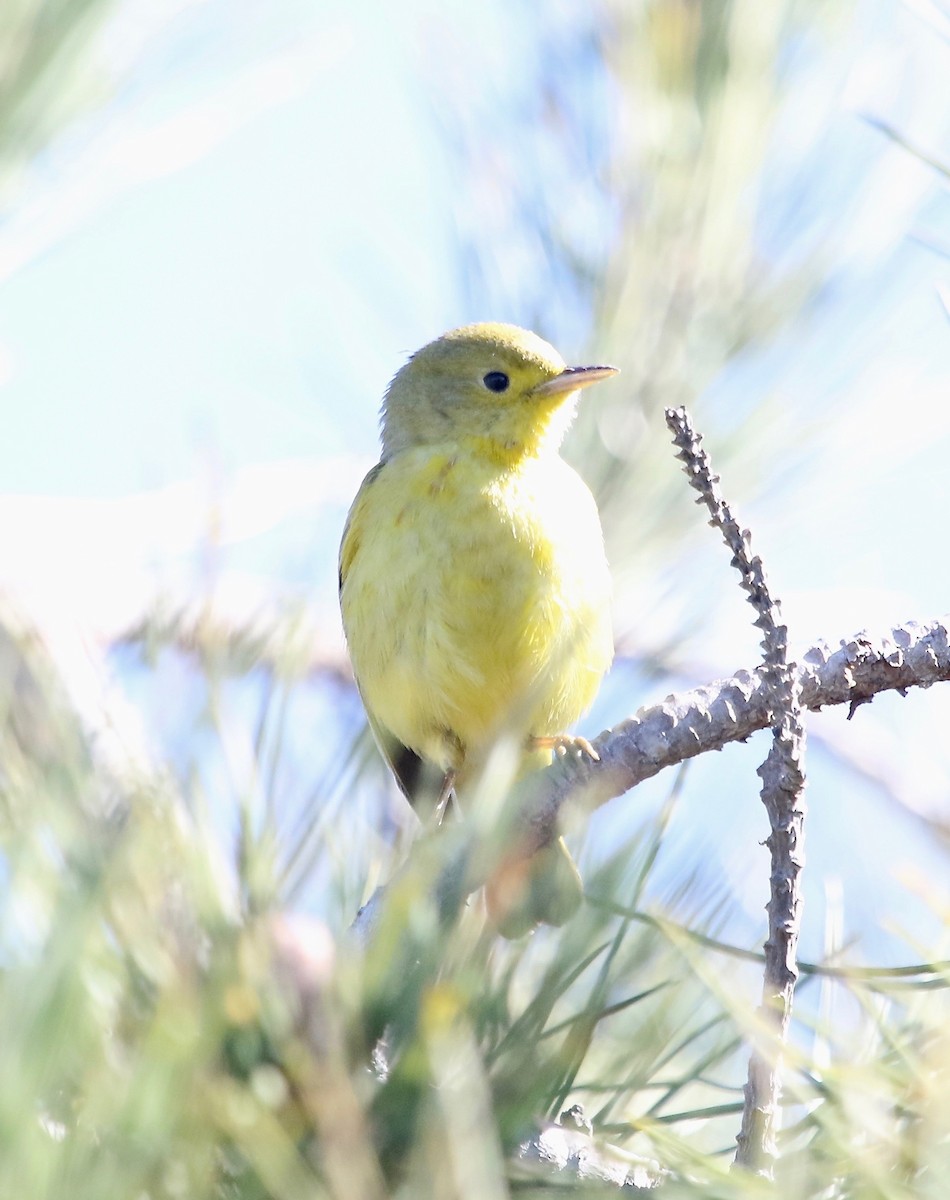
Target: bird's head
[[495, 386]]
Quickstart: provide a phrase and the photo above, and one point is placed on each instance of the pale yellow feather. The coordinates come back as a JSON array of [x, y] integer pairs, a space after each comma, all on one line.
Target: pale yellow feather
[[473, 582], [461, 630]]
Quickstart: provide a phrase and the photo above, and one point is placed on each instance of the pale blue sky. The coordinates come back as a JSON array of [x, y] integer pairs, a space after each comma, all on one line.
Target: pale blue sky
[[228, 263], [221, 268]]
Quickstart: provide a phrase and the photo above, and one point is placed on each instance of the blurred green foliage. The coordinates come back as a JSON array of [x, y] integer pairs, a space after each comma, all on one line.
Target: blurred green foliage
[[45, 74], [167, 1030], [156, 1039]]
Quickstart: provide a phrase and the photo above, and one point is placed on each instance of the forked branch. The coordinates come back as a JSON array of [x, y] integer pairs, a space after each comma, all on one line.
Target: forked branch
[[783, 789]]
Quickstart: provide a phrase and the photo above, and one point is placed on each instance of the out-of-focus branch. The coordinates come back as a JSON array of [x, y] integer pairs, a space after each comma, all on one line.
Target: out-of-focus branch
[[568, 1152], [290, 640]]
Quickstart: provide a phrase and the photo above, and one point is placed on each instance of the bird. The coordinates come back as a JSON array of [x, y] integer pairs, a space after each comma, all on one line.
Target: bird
[[474, 585]]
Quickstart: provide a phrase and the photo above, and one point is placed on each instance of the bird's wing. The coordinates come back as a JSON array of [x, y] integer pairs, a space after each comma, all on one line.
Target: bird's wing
[[350, 545], [413, 774]]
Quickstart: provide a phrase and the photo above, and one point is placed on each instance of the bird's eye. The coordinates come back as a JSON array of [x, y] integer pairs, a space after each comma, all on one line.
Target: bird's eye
[[496, 381]]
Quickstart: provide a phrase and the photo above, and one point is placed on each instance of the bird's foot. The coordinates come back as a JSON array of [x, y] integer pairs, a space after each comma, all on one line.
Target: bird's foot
[[446, 794], [563, 744]]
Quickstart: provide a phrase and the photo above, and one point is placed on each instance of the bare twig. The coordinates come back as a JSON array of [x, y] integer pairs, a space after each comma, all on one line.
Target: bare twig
[[890, 131], [783, 786]]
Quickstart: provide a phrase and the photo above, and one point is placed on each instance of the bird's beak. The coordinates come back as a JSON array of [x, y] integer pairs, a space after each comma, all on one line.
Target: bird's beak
[[572, 379]]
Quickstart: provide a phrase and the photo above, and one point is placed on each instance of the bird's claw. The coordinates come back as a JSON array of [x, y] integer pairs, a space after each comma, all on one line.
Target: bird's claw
[[446, 795], [563, 744]]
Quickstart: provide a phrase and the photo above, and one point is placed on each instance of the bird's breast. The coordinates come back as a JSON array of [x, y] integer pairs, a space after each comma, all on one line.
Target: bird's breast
[[478, 599]]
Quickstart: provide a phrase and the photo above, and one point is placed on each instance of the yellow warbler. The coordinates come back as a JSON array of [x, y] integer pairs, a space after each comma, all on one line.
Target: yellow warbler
[[473, 581]]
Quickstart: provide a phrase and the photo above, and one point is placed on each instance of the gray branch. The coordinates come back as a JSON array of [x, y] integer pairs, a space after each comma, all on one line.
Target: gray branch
[[709, 718], [783, 788], [568, 1151]]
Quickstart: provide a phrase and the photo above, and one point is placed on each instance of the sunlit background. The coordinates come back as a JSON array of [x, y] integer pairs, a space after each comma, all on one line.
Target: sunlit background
[[224, 225]]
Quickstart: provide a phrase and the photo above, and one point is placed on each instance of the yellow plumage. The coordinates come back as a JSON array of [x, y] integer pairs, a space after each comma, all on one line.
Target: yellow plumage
[[473, 581]]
